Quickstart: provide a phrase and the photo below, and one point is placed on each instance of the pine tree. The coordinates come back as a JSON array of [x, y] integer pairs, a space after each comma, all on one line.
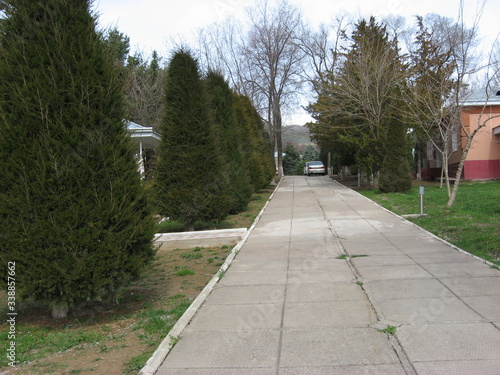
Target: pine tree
[[239, 189], [189, 183], [310, 153], [73, 212]]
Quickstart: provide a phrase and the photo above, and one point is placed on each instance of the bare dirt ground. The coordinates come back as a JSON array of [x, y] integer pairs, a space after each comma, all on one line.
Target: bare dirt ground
[[115, 325]]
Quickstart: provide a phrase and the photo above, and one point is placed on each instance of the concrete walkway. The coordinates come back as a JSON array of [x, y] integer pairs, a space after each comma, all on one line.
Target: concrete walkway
[[288, 305]]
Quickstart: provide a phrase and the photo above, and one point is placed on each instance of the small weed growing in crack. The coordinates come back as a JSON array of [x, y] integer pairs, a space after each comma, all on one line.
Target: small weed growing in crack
[[360, 283], [390, 330], [345, 256]]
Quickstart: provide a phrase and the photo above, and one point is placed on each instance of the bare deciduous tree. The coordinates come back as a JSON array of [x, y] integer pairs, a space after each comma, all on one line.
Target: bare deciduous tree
[[273, 61], [262, 61]]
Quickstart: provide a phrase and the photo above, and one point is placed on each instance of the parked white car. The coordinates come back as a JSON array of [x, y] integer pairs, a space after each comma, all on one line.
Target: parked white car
[[314, 167]]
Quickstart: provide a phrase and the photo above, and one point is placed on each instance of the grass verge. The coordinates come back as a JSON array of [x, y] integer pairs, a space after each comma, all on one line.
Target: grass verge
[[473, 223]]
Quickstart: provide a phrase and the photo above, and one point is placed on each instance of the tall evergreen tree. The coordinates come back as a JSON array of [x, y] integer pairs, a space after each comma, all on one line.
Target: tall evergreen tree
[[395, 171], [310, 153], [290, 160], [224, 120], [189, 182], [73, 213], [257, 153], [359, 99]]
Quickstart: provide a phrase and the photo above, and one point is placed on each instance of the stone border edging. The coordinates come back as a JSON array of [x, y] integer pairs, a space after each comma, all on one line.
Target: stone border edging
[[155, 361]]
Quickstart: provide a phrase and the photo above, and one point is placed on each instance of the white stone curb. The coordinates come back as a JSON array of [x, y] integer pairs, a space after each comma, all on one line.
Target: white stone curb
[[173, 336]]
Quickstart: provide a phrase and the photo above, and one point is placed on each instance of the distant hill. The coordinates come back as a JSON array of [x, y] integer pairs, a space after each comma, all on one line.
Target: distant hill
[[298, 135]]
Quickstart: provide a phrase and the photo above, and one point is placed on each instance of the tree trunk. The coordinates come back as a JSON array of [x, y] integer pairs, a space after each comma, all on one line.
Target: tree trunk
[[418, 174], [277, 129], [453, 195], [60, 310]]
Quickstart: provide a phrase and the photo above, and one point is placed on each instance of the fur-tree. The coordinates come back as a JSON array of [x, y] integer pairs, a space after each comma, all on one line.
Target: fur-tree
[[73, 212], [190, 184]]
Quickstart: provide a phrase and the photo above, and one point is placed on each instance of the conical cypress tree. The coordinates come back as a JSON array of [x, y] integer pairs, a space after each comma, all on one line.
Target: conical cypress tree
[[395, 172], [257, 154], [189, 183], [224, 121], [73, 213]]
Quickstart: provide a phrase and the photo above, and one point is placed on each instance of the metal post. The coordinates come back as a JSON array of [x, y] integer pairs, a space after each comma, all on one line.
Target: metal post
[[421, 191]]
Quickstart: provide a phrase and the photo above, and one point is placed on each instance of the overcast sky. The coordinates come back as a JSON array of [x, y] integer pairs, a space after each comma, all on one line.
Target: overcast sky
[[150, 23]]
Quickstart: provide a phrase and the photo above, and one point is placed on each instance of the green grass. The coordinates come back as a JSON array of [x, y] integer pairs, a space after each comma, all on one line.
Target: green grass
[[137, 363], [156, 323], [473, 223], [33, 343], [184, 272], [191, 255]]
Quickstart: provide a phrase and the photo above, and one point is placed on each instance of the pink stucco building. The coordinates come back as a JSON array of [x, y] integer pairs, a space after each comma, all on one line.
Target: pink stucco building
[[483, 159]]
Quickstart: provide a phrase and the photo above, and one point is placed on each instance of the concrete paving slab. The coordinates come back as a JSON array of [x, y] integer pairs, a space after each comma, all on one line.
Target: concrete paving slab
[[469, 269], [311, 264], [487, 306], [237, 317], [317, 292], [450, 342], [382, 260], [418, 310], [328, 314], [306, 276], [223, 371], [413, 288], [278, 238], [474, 286], [262, 265], [420, 247], [301, 250], [446, 255], [336, 346], [262, 255], [238, 349], [407, 271], [483, 367], [233, 277], [346, 370], [375, 249], [246, 294]]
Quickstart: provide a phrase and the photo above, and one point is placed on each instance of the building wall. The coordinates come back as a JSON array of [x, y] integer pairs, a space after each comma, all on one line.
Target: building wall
[[483, 159]]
